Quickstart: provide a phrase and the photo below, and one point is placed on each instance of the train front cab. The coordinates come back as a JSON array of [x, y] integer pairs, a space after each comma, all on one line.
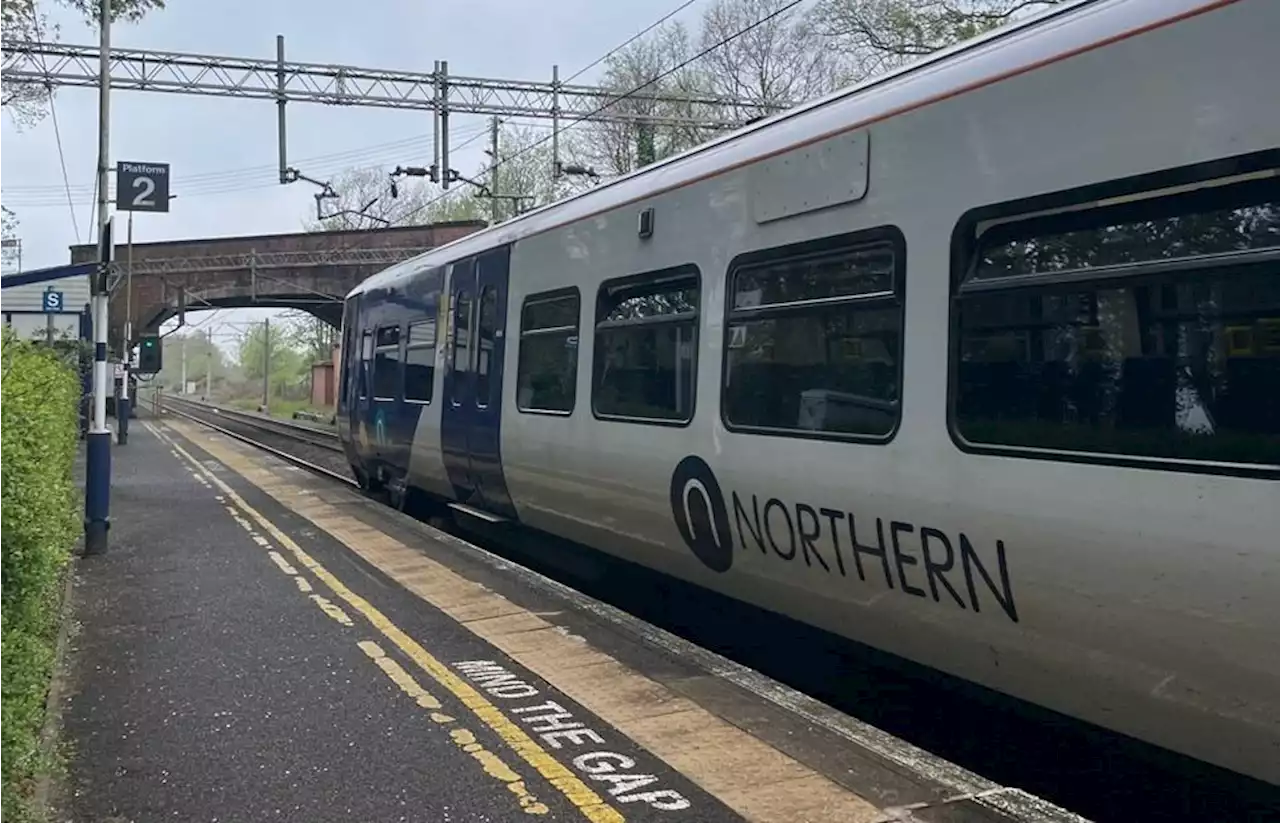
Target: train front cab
[[375, 425], [421, 402], [350, 391]]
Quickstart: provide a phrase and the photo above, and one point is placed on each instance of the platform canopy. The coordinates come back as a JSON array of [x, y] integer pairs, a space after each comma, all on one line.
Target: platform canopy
[[38, 276]]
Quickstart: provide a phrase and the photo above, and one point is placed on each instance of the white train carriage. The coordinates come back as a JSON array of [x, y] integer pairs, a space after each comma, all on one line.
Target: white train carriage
[[977, 363]]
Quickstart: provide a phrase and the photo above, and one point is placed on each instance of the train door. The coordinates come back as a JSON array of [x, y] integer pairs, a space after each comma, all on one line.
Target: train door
[[348, 356], [386, 393], [359, 394], [471, 416]]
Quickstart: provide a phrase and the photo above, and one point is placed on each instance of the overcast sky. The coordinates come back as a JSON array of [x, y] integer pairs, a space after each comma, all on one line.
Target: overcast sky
[[223, 150]]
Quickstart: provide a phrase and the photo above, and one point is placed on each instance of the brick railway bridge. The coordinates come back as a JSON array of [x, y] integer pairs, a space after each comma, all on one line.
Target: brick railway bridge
[[311, 271]]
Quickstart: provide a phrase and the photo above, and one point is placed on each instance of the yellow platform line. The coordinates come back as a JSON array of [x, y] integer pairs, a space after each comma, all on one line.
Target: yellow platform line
[[462, 738], [590, 804], [750, 776]]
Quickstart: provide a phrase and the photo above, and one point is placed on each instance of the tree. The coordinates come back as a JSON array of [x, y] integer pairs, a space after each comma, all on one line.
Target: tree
[[23, 20], [312, 337], [286, 362], [364, 199], [779, 62], [9, 252], [765, 66], [879, 35], [617, 147], [523, 170], [202, 357]]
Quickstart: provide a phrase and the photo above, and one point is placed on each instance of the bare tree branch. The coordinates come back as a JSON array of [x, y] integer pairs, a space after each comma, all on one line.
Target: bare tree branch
[[23, 20], [775, 63], [875, 35]]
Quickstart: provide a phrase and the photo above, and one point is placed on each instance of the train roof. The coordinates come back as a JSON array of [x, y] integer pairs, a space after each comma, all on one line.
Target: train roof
[[1056, 33]]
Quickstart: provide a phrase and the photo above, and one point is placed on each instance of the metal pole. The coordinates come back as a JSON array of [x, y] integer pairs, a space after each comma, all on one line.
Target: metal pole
[[280, 101], [97, 492], [266, 366], [48, 329], [493, 173], [555, 122], [124, 407], [435, 128], [208, 367], [182, 353], [444, 124]]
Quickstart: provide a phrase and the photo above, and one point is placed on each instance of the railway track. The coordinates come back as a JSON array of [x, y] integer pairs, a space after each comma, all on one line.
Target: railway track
[[1103, 776], [312, 435]]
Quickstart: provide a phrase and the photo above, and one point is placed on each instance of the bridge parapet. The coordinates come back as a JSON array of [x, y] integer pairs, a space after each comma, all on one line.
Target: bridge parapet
[[307, 270]]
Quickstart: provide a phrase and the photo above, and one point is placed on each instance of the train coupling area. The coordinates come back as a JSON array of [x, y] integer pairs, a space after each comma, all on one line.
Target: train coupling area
[[263, 643]]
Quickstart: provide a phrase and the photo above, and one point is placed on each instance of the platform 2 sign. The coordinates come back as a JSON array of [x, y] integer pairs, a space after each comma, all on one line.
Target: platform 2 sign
[[142, 186]]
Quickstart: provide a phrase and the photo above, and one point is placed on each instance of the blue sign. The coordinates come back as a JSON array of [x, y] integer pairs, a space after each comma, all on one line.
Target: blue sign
[[52, 302]]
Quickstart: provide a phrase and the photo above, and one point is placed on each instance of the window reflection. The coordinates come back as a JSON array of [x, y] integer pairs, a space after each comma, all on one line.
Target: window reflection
[[547, 373], [1176, 361], [645, 349], [814, 342]]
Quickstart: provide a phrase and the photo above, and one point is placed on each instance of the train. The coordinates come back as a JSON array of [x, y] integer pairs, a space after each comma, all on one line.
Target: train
[[976, 363]]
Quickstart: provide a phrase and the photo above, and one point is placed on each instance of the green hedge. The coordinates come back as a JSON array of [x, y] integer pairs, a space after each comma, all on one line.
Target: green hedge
[[40, 513]]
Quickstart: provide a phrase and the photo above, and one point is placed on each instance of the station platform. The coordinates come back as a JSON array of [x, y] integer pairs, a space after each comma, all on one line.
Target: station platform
[[261, 643]]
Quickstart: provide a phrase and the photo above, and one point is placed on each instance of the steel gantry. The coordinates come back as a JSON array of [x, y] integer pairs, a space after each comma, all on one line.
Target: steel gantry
[[265, 261], [283, 81]]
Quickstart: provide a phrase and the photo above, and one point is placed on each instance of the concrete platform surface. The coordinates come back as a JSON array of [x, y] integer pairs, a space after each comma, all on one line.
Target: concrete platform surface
[[264, 644]]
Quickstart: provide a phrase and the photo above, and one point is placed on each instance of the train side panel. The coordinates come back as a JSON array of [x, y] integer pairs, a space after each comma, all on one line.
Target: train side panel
[[1136, 598]]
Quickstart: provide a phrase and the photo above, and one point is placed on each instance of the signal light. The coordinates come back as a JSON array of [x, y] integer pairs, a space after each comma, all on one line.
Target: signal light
[[149, 354]]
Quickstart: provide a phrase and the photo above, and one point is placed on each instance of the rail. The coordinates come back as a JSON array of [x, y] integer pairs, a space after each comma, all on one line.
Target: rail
[[311, 435], [169, 405]]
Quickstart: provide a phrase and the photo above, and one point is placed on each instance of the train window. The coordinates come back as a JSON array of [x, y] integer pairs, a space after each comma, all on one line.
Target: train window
[[462, 332], [486, 337], [814, 338], [366, 362], [420, 361], [547, 374], [646, 347], [386, 363], [1146, 326]]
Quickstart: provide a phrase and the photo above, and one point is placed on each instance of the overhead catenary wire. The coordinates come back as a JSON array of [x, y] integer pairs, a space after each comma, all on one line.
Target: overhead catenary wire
[[498, 162], [629, 40], [362, 152], [62, 161], [218, 183], [225, 175], [614, 101], [611, 102], [57, 131], [229, 182]]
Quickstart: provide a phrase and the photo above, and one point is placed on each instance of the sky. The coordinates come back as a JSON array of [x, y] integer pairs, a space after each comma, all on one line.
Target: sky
[[222, 151]]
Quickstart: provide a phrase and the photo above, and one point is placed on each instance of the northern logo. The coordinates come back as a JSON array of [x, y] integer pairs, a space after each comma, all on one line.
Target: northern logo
[[697, 505]]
